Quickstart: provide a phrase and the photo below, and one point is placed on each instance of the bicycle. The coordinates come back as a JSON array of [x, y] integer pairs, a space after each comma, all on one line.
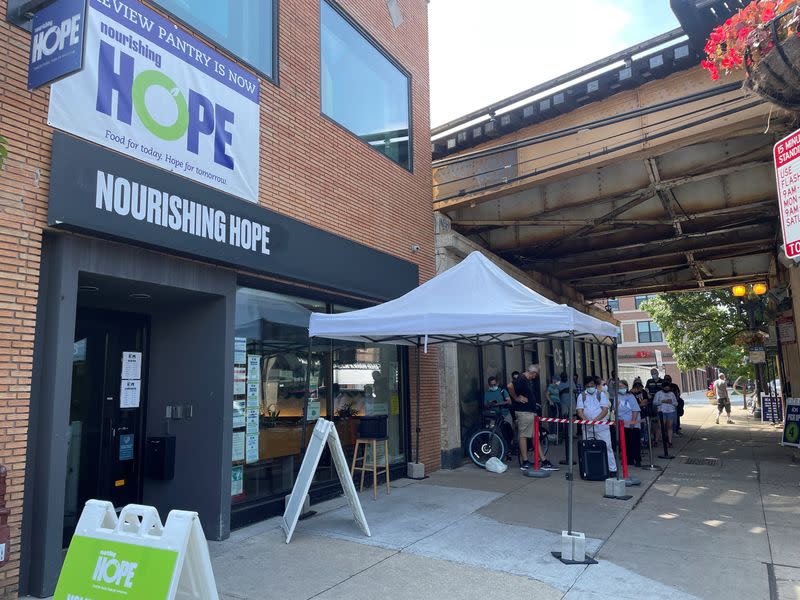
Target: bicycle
[[497, 438]]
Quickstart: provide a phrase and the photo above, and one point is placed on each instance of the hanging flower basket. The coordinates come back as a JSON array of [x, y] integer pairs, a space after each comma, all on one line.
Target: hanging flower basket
[[763, 39]]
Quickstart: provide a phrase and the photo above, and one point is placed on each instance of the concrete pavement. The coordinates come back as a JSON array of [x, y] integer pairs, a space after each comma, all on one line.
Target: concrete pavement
[[726, 528], [692, 531]]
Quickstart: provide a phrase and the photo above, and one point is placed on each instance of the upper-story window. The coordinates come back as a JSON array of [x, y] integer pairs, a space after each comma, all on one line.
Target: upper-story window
[[613, 303], [649, 332], [363, 89], [642, 299], [245, 28]]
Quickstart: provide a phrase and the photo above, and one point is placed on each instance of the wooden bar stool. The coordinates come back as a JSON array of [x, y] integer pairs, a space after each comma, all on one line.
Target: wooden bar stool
[[373, 466]]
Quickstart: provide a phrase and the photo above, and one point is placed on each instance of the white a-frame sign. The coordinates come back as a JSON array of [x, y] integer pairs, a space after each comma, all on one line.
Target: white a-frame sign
[[324, 431], [135, 557]]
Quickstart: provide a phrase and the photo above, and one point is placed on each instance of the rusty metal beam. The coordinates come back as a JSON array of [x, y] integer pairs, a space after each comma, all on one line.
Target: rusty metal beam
[[672, 286], [614, 251], [606, 268]]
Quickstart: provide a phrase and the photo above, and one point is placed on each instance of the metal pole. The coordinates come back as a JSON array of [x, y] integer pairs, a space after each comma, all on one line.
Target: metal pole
[[418, 393], [303, 423], [615, 396], [570, 370]]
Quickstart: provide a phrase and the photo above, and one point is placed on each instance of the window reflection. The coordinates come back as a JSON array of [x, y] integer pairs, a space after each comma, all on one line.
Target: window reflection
[[362, 89], [346, 380]]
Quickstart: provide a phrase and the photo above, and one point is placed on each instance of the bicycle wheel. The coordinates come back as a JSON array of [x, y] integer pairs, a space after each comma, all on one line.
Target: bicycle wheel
[[485, 444]]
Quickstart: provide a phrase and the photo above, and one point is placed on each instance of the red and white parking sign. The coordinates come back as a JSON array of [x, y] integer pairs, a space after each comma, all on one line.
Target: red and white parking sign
[[787, 173]]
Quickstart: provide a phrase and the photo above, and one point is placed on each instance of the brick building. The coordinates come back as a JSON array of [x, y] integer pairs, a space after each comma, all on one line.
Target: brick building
[[642, 346], [142, 308]]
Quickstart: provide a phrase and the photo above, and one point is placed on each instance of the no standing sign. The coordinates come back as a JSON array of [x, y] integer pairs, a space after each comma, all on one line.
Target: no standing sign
[[787, 173]]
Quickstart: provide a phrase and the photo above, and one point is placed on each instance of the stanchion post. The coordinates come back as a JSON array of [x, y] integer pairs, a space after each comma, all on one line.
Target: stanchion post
[[652, 467], [623, 450], [535, 442]]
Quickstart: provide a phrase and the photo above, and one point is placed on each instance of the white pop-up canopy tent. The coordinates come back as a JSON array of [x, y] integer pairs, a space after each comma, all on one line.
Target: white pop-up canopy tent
[[474, 302]]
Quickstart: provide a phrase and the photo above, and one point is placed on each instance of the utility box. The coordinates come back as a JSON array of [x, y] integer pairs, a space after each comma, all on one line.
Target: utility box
[[159, 460]]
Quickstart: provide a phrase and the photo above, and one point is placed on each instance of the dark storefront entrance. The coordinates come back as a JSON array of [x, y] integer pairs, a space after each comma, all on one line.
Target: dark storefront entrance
[[104, 457]]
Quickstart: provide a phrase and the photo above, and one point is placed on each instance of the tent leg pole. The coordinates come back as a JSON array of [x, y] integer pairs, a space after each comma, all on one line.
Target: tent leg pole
[[570, 371], [416, 452], [303, 424]]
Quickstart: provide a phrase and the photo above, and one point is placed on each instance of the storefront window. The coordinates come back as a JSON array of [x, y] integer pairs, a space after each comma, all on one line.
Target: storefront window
[[270, 364], [347, 381]]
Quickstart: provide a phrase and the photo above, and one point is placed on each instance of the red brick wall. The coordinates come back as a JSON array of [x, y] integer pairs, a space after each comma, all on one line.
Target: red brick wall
[[311, 169]]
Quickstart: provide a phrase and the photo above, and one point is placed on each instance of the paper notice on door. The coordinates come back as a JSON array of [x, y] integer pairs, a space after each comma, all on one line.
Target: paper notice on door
[[238, 413], [251, 448], [239, 358], [239, 380], [129, 393], [239, 344], [238, 446], [252, 420], [254, 368], [252, 394], [237, 480], [131, 365]]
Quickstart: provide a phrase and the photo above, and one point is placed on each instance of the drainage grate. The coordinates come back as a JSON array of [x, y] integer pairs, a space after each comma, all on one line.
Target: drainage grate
[[705, 462]]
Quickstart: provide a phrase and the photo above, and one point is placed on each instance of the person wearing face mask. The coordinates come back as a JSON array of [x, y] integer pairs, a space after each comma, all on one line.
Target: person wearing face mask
[[527, 404], [667, 406], [628, 416], [497, 396], [593, 405]]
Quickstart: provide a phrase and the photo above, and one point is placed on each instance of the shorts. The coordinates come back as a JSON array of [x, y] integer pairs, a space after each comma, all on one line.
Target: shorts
[[525, 424], [669, 417], [724, 403]]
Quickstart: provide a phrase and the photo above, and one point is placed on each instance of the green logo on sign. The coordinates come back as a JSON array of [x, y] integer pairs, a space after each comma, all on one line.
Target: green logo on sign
[[792, 434], [97, 569]]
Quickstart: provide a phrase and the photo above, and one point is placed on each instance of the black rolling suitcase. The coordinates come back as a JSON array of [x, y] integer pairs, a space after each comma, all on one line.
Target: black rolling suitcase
[[593, 460]]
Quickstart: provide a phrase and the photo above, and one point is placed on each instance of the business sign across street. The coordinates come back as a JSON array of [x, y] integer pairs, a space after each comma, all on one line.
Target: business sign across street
[[57, 34], [787, 173], [791, 424], [160, 95]]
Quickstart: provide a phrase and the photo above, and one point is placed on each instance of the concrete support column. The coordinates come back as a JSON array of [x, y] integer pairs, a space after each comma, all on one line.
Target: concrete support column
[[450, 409]]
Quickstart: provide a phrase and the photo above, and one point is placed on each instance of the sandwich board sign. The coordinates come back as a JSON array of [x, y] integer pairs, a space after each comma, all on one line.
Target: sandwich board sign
[[324, 433], [135, 557]]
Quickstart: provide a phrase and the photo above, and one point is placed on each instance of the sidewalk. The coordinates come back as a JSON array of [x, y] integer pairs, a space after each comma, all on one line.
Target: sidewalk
[[693, 531], [723, 530]]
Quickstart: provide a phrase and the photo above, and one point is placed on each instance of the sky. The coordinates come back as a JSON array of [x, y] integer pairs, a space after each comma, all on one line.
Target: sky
[[482, 51]]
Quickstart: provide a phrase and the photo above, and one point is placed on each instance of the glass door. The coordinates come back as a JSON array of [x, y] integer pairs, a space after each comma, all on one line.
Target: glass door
[[107, 402]]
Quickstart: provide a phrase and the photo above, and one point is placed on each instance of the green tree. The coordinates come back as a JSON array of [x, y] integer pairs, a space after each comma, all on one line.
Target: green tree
[[3, 150], [701, 328]]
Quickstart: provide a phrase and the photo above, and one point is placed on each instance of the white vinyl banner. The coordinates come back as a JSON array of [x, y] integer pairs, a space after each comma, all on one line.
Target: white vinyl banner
[[160, 95]]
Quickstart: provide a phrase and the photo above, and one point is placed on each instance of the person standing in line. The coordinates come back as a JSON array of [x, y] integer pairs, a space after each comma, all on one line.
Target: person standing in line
[[593, 405], [667, 405], [723, 398], [526, 406], [638, 391], [628, 416], [653, 386], [676, 428]]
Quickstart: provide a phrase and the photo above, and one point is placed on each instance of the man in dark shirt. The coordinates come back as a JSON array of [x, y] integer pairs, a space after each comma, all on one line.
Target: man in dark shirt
[[527, 404], [653, 384], [677, 391]]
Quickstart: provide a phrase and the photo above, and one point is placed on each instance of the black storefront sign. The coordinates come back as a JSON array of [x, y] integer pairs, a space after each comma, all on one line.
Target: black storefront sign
[[95, 190]]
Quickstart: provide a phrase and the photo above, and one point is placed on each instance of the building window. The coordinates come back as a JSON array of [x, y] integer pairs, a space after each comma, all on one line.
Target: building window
[[348, 380], [613, 303], [245, 28], [362, 89], [642, 299], [648, 332]]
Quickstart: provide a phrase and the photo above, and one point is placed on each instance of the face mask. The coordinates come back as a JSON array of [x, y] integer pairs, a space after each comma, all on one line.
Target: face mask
[[605, 388], [590, 391], [493, 387], [623, 390]]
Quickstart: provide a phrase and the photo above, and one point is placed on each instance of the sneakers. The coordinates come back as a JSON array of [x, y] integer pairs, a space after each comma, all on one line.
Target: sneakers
[[717, 420], [548, 466], [730, 422], [525, 466]]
